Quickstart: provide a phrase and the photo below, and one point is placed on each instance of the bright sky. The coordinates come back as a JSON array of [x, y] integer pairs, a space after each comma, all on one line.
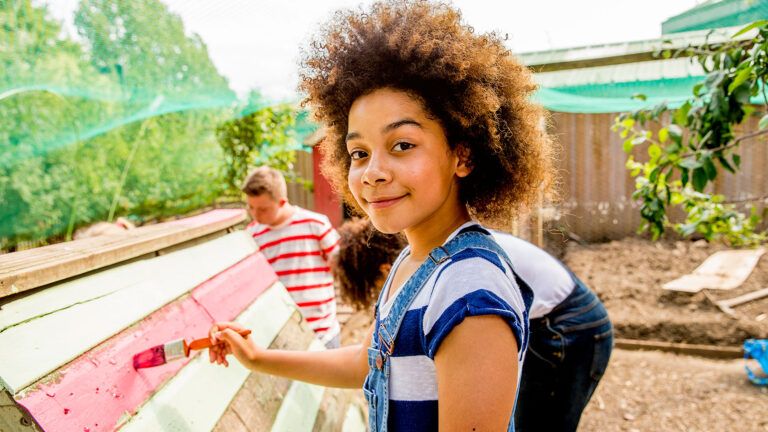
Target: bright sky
[[255, 43]]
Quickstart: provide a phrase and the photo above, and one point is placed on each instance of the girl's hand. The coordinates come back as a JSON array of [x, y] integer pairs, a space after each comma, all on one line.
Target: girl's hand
[[226, 340]]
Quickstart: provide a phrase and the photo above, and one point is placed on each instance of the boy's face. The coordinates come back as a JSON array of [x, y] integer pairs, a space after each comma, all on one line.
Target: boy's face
[[402, 172], [264, 209]]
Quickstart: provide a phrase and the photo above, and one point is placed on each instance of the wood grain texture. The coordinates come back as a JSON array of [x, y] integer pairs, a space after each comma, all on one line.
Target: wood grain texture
[[22, 271], [101, 386], [65, 330]]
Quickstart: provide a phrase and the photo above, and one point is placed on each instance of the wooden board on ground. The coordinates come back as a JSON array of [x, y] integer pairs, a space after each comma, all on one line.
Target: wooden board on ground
[[25, 270], [722, 270]]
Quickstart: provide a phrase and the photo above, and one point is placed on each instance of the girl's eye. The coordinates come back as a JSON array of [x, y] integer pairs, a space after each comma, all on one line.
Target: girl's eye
[[357, 154], [402, 146]]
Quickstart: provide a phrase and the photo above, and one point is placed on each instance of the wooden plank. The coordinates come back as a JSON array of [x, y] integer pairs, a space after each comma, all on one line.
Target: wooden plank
[[21, 271], [196, 398], [722, 270], [299, 409], [101, 385], [710, 351], [333, 409], [13, 417], [355, 420], [194, 265], [42, 344], [259, 399]]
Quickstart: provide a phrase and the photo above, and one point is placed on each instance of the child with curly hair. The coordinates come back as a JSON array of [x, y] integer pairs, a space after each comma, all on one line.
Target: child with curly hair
[[429, 130], [571, 335]]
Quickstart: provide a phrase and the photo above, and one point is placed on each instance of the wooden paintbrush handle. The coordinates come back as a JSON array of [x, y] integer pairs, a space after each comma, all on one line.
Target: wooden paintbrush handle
[[199, 344]]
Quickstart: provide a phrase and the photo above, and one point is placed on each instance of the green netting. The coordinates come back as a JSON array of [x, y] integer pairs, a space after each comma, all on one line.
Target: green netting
[[715, 14], [119, 120], [618, 97]]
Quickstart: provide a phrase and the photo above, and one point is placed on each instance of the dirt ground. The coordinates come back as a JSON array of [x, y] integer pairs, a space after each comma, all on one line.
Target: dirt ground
[[628, 274], [655, 391]]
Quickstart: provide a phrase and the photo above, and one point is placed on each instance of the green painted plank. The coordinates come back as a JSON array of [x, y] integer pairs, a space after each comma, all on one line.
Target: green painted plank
[[354, 420], [198, 396], [300, 406]]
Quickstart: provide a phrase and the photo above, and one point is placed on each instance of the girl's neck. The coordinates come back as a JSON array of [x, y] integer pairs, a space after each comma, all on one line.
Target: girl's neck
[[432, 233]]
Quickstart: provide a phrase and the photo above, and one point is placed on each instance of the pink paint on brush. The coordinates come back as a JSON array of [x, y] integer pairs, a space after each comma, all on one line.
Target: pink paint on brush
[[220, 298]]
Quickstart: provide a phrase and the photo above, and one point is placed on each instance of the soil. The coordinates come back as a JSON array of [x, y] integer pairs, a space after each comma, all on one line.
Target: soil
[[628, 274], [650, 391]]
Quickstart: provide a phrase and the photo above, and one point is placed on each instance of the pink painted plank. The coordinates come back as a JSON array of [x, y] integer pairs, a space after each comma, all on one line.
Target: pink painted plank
[[100, 388], [230, 292]]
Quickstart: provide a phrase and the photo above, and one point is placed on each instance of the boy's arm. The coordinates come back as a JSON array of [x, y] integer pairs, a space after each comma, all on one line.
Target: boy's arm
[[343, 367], [477, 367]]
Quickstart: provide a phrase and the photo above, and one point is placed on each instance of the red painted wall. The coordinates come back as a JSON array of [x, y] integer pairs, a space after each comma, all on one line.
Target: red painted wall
[[326, 201]]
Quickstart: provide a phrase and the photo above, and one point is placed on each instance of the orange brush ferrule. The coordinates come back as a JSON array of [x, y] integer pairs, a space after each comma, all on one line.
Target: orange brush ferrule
[[162, 354]]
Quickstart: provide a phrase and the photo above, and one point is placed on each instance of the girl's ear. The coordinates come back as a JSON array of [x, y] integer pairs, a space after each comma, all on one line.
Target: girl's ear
[[464, 165]]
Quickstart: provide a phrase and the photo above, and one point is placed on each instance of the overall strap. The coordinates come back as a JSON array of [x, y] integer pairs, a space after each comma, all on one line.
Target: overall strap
[[472, 237]]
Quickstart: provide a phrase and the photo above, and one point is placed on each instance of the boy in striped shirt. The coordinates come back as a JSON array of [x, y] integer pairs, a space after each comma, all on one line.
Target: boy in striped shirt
[[298, 244]]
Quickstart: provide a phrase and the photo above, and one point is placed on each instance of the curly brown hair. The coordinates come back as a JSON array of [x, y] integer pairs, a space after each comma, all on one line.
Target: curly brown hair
[[362, 252], [470, 83]]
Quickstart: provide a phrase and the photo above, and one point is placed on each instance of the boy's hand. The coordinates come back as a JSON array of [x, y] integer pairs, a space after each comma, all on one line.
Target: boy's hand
[[226, 340]]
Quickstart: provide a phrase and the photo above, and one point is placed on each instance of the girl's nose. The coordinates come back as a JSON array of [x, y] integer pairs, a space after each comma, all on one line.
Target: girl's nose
[[376, 172]]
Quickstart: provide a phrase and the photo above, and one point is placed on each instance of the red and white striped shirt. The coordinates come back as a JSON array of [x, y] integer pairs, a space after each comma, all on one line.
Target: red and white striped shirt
[[298, 252]]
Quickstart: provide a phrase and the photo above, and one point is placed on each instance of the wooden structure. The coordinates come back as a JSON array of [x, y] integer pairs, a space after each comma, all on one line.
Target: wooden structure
[[584, 89], [66, 362]]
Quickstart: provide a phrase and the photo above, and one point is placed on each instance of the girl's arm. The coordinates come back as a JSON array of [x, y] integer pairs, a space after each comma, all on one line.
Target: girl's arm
[[342, 367], [477, 375]]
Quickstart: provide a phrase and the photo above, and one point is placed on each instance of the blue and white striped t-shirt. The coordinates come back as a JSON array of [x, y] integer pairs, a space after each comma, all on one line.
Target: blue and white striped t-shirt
[[465, 285]]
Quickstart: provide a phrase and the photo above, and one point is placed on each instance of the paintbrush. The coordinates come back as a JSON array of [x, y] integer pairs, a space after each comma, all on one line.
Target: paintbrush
[[180, 348]]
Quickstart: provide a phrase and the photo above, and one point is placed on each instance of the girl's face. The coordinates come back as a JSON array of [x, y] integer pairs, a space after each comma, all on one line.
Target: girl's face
[[402, 171]]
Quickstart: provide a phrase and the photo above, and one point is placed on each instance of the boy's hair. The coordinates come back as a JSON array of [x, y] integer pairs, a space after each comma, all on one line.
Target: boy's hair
[[267, 180], [470, 83], [362, 252]]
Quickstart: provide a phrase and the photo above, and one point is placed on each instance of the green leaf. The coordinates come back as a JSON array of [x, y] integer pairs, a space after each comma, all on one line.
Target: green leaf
[[690, 163], [663, 135], [763, 122], [724, 162], [684, 176], [742, 76], [654, 151], [750, 27], [697, 89], [627, 146], [675, 131], [640, 96], [681, 114], [699, 179], [709, 168], [736, 160]]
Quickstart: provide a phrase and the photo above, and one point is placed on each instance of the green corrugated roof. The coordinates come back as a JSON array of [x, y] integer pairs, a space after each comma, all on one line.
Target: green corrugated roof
[[715, 14]]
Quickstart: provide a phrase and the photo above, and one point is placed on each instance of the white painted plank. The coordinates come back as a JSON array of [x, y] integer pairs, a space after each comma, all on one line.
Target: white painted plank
[[354, 420], [202, 261], [300, 405], [48, 330], [197, 397]]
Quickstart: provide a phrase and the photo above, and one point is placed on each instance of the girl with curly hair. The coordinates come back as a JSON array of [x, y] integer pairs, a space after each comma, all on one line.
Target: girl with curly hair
[[429, 130]]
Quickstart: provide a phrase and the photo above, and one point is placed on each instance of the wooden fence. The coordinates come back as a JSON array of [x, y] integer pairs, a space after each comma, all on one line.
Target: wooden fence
[[596, 189], [297, 193]]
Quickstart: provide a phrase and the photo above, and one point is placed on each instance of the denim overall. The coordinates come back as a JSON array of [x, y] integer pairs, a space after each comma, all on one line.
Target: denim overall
[[376, 386]]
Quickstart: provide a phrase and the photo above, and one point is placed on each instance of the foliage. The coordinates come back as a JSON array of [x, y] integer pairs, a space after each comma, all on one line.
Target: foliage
[[688, 146], [55, 172], [263, 137]]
